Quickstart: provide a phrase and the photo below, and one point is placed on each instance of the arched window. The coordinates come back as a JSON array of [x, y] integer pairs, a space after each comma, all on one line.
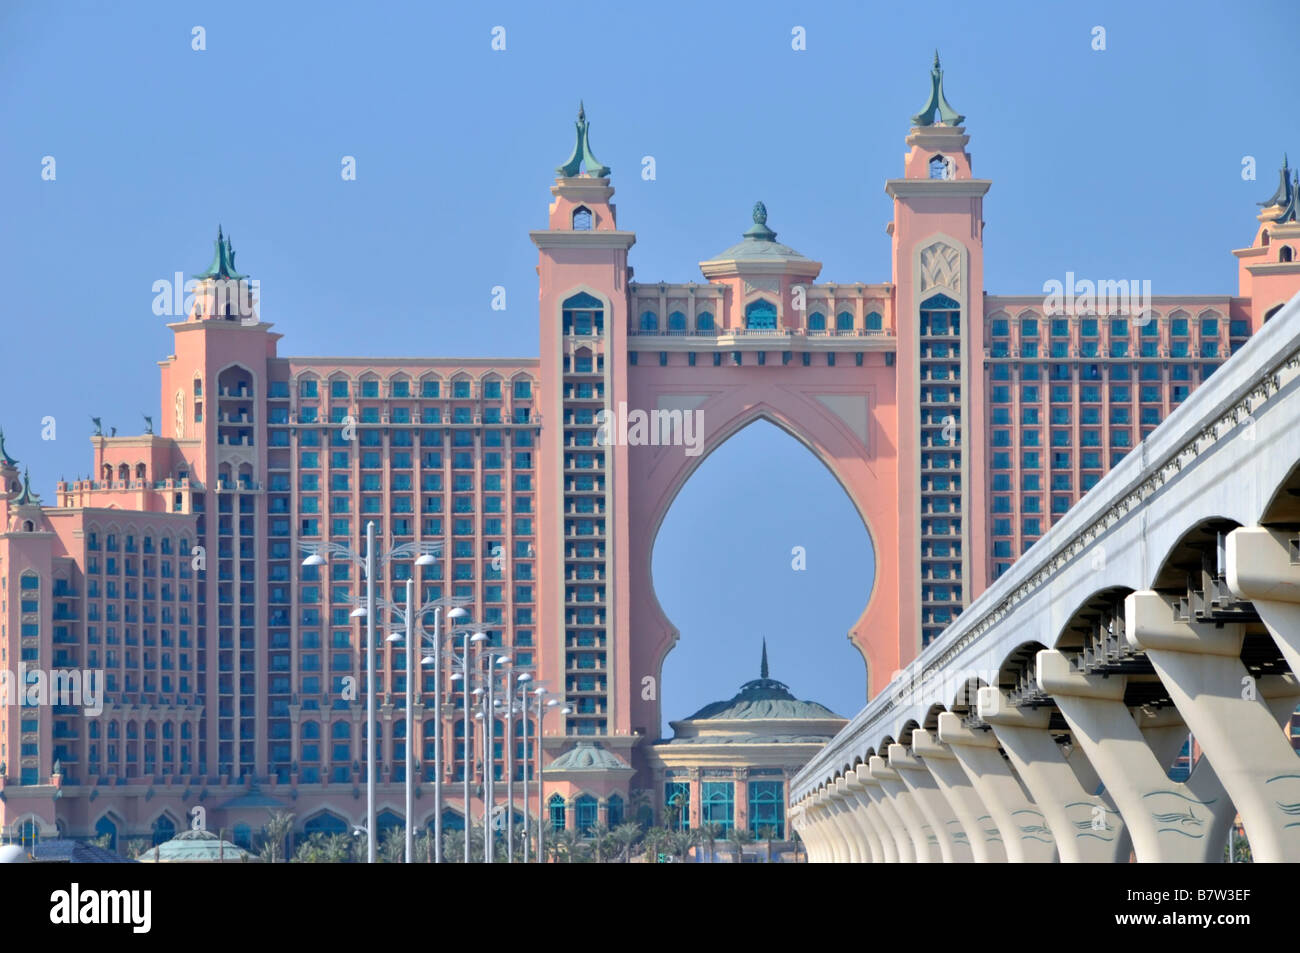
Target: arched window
[[677, 805], [583, 314], [649, 321], [816, 321], [325, 823], [29, 835], [586, 814], [243, 836], [164, 829], [676, 323], [104, 827], [340, 731], [555, 807], [1284, 254], [451, 820], [875, 323], [760, 315], [582, 219], [123, 473], [940, 168], [615, 811], [767, 810], [844, 322], [704, 322], [1263, 238], [386, 821], [718, 803]]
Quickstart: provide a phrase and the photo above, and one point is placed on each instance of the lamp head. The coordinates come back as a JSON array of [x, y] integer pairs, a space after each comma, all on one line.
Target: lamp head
[[315, 559], [425, 560], [525, 677], [457, 613], [427, 660], [394, 637], [478, 637], [552, 703], [358, 613]]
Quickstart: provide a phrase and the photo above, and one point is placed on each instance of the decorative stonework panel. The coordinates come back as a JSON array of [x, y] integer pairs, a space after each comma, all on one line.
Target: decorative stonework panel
[[770, 285], [940, 268]]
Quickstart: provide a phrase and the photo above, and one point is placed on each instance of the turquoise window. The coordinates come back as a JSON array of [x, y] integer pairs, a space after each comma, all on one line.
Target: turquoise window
[[677, 323], [844, 321], [704, 321], [767, 810], [677, 805], [586, 818], [816, 321], [555, 807], [760, 315], [875, 322], [615, 810], [718, 804], [649, 321]]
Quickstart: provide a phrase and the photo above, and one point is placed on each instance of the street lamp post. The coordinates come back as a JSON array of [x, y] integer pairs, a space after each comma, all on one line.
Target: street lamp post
[[455, 613], [541, 790], [476, 638], [522, 679], [316, 556]]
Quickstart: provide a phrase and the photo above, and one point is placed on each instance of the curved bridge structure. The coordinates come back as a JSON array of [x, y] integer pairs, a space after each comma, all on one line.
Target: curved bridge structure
[[1041, 725]]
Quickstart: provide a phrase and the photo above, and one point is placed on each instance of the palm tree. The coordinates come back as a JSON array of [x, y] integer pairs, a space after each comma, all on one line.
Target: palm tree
[[680, 842], [623, 837], [598, 839], [709, 835], [738, 837], [274, 837], [135, 847], [768, 832], [653, 843], [392, 845]]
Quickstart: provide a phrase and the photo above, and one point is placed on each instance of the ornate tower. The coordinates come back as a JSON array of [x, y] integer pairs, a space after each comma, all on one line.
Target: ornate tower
[[938, 270], [582, 485]]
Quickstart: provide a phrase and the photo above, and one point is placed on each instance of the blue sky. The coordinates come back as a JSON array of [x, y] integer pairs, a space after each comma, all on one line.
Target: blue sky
[[1120, 163]]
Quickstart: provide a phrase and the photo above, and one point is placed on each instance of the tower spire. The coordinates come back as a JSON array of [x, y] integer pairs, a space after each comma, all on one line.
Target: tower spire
[[582, 154], [937, 101], [762, 671]]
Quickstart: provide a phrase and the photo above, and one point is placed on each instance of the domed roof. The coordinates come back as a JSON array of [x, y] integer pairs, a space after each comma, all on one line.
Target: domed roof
[[763, 697], [760, 244], [195, 846], [587, 756]]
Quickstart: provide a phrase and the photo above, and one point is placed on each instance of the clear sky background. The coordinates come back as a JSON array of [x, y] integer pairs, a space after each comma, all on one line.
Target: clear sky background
[[1120, 163]]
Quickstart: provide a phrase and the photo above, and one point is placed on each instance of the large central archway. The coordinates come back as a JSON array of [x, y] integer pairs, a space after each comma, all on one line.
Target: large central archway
[[845, 420]]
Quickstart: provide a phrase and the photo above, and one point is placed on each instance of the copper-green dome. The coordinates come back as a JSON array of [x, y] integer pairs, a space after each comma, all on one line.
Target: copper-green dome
[[760, 243], [587, 756], [763, 697]]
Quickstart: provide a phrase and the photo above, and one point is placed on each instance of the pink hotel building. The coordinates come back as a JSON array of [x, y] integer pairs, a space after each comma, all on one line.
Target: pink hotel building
[[961, 424]]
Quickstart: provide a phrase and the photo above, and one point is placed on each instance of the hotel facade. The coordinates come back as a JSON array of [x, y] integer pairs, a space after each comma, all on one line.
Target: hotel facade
[[961, 423]]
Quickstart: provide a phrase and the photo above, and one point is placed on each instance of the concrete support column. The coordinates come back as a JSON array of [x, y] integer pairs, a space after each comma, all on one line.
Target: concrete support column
[[836, 850], [1167, 821], [888, 823], [1025, 834], [858, 803], [982, 834], [1262, 568], [803, 820], [875, 821], [1235, 718], [954, 845], [1085, 824], [850, 835], [913, 822]]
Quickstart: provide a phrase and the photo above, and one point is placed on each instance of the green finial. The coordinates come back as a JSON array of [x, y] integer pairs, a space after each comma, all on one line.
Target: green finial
[[1285, 197], [27, 497], [759, 230], [223, 260], [762, 672], [4, 454], [937, 101], [582, 155]]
